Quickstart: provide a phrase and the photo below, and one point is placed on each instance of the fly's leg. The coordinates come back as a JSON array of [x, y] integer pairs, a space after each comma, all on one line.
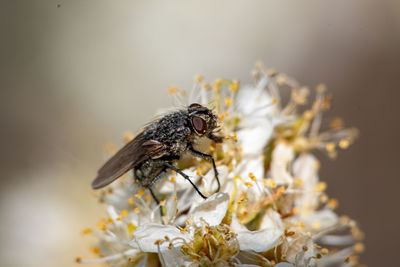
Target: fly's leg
[[206, 156], [152, 193], [172, 167], [156, 200]]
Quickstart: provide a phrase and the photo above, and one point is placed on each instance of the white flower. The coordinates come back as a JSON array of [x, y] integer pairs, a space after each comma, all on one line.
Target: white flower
[[271, 229], [272, 209]]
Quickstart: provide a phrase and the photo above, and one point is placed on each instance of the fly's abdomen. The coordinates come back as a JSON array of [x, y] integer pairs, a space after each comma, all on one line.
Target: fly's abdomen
[[148, 172]]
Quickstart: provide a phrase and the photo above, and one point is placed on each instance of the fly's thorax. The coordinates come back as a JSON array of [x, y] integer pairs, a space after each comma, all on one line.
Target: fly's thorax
[[170, 129]]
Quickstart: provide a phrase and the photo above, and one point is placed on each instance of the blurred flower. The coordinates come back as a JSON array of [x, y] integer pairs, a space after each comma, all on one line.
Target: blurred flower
[[272, 209]]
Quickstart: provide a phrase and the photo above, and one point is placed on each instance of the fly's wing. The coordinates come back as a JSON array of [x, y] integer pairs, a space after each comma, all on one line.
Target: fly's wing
[[126, 158]]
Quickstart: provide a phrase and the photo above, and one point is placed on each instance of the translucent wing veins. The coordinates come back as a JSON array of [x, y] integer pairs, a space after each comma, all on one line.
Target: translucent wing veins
[[134, 152]]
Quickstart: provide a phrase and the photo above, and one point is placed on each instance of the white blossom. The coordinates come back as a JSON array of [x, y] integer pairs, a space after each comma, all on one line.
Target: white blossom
[[272, 209]]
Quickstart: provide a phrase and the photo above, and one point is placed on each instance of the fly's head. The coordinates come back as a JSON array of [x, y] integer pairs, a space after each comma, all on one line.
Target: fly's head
[[203, 122]]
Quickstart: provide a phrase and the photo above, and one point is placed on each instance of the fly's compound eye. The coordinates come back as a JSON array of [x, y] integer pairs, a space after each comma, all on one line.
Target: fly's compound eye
[[199, 124]]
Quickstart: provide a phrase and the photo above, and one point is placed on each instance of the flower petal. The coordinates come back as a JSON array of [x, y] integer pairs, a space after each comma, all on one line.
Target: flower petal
[[212, 210], [146, 237], [259, 241], [304, 167], [282, 156], [284, 264]]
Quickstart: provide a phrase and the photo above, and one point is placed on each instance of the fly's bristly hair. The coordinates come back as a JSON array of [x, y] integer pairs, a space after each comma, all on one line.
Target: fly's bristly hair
[[163, 141]]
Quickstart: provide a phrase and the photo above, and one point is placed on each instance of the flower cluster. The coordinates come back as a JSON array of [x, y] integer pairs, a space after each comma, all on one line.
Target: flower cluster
[[272, 209]]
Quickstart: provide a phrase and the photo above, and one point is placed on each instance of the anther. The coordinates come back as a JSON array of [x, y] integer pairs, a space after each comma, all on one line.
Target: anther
[[198, 78], [87, 231], [172, 90], [128, 136], [343, 144]]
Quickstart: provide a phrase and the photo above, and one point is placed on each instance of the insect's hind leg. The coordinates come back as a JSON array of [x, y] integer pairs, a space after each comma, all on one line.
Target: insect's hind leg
[[152, 193], [172, 167], [154, 196]]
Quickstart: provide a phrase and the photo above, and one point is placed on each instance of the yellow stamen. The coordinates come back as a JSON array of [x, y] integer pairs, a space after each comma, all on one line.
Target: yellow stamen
[[175, 198], [128, 136], [324, 251], [136, 210], [206, 86], [96, 250], [333, 203], [124, 213], [228, 102], [358, 247], [234, 86], [308, 115], [316, 225], [296, 210], [101, 225], [110, 148], [78, 260], [343, 144], [131, 201], [272, 72], [172, 90], [298, 182], [281, 190], [198, 78], [131, 228], [109, 220], [323, 198], [252, 177], [269, 182], [330, 147], [248, 184], [172, 179], [217, 85], [321, 186], [274, 100], [336, 123], [281, 79], [183, 230], [87, 231]]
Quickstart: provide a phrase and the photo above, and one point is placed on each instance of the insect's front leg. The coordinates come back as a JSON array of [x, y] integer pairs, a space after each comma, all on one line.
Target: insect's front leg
[[172, 167], [209, 157]]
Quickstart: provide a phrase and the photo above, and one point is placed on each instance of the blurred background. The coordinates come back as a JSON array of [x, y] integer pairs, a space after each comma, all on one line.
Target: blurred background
[[77, 74]]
